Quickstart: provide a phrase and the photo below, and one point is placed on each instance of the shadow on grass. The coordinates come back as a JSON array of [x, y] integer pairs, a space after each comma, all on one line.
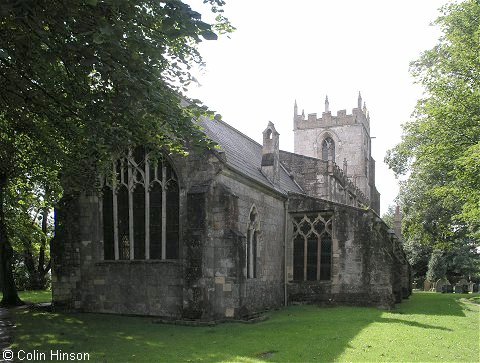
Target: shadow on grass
[[297, 333], [411, 323], [431, 303]]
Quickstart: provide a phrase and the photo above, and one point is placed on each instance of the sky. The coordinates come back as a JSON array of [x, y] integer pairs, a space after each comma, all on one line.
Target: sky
[[303, 50]]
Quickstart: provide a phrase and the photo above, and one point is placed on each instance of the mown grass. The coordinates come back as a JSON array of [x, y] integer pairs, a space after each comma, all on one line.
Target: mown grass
[[35, 297], [428, 327]]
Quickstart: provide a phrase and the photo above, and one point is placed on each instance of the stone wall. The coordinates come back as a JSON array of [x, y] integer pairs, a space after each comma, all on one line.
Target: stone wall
[[351, 134], [208, 281], [226, 286], [82, 280], [367, 266], [309, 172], [322, 179]]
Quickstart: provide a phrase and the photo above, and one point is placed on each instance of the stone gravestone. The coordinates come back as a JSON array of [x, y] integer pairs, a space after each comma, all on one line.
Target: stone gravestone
[[461, 287], [464, 286], [471, 286], [475, 287], [427, 285]]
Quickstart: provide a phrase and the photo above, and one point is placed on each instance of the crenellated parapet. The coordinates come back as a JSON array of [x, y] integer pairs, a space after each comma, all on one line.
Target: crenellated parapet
[[359, 115]]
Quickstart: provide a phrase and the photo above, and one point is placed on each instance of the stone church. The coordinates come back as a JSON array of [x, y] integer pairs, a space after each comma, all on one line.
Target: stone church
[[236, 230]]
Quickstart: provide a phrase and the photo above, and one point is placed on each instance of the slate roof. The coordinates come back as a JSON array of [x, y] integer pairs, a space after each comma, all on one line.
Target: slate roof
[[245, 155]]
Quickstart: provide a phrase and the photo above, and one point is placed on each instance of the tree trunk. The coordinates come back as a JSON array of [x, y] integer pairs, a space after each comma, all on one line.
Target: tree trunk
[[10, 295], [37, 272], [41, 258]]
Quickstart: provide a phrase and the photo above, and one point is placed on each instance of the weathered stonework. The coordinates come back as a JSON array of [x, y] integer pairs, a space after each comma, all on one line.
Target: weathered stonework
[[236, 252], [365, 259], [351, 136]]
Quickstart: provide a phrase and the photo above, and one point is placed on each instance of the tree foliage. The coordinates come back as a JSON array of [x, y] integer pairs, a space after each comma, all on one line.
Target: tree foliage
[[440, 148], [440, 152], [30, 227], [389, 216], [85, 79], [437, 267]]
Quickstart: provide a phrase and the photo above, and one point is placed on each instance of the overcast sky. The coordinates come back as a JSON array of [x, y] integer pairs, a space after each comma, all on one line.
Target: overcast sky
[[301, 50]]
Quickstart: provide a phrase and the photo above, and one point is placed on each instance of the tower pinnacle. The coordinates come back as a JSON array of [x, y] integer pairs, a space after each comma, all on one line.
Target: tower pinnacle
[[295, 109], [327, 105], [359, 100]]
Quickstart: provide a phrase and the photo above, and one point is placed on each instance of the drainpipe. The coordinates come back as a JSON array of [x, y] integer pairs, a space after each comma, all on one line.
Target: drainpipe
[[285, 241]]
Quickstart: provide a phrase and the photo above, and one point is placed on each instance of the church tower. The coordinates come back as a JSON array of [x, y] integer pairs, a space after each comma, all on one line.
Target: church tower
[[342, 138]]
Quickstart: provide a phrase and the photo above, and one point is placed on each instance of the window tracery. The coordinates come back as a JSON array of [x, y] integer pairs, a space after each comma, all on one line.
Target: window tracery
[[328, 149], [312, 247], [140, 208]]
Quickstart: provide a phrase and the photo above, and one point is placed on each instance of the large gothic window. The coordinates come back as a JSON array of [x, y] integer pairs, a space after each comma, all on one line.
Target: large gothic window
[[328, 149], [312, 247], [252, 239], [141, 209]]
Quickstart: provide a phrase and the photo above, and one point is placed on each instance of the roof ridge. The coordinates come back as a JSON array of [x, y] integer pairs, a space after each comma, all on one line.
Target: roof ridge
[[237, 131]]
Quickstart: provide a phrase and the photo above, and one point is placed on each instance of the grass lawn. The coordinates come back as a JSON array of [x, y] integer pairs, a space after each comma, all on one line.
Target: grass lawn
[[35, 296], [427, 327]]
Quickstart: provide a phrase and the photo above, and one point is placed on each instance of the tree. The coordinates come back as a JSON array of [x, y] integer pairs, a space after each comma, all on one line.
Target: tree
[[418, 256], [81, 81], [463, 260], [440, 151], [440, 147], [437, 267], [389, 216], [30, 227]]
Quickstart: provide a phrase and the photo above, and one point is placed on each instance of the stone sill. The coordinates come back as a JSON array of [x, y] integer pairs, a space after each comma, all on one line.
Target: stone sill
[[308, 283], [138, 262]]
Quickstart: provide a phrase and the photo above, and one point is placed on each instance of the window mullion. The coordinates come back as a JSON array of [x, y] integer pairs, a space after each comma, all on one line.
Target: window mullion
[[251, 254], [115, 214], [164, 213], [305, 253], [319, 256], [130, 205], [147, 208]]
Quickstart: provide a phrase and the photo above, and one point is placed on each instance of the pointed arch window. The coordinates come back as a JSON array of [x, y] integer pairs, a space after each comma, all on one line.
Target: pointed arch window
[[312, 247], [140, 208], [252, 242], [328, 149]]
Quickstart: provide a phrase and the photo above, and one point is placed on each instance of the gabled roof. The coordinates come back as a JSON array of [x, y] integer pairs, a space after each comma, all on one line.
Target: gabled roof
[[245, 155]]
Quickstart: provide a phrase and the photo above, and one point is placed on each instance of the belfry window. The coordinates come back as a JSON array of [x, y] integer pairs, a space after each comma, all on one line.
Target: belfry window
[[328, 149], [140, 208], [312, 247], [252, 241]]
